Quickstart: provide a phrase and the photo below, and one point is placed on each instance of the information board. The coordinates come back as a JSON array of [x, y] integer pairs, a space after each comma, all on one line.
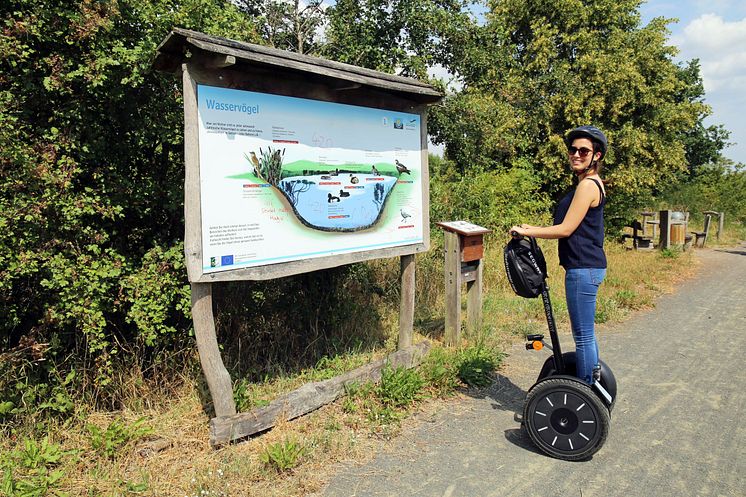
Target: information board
[[284, 179]]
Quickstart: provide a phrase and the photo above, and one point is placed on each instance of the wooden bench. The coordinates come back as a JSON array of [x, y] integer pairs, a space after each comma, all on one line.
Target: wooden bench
[[639, 240], [700, 237]]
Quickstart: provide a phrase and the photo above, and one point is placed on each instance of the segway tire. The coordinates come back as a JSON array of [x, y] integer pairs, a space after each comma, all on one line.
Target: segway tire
[[565, 419]]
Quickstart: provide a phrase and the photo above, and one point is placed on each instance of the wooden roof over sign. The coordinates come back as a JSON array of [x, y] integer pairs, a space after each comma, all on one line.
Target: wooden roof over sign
[[172, 53]]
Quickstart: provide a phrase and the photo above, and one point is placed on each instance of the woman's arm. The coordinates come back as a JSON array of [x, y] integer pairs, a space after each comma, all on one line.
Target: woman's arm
[[585, 194]]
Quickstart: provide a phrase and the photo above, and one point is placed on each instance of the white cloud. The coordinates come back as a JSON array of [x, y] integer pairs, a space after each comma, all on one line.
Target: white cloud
[[719, 45]]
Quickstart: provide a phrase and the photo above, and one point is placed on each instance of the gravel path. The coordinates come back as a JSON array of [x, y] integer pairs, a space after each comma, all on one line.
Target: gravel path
[[677, 428]]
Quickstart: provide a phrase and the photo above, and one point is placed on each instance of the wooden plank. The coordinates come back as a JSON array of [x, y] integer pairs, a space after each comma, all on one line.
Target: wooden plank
[[218, 379], [220, 61], [274, 59], [452, 269], [174, 41], [192, 204], [464, 228], [406, 309], [267, 79], [281, 270], [307, 398], [424, 176], [474, 301]]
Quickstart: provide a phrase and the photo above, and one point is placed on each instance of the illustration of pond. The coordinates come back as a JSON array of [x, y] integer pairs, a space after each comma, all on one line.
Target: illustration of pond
[[341, 202]]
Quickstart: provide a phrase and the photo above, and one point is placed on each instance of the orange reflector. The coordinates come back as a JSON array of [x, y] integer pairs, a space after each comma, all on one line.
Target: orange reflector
[[537, 345]]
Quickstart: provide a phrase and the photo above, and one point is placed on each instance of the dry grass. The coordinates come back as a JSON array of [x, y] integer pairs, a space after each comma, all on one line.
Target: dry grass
[[330, 435]]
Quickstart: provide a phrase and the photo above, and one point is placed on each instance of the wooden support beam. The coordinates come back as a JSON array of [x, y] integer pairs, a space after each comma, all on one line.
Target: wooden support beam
[[406, 309], [308, 398], [192, 207], [218, 379], [474, 300], [453, 287], [220, 61]]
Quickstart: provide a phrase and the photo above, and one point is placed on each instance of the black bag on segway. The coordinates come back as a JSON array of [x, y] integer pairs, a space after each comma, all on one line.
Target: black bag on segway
[[525, 267]]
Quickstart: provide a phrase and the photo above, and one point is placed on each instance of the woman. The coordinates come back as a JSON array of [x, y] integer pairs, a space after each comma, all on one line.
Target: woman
[[579, 226]]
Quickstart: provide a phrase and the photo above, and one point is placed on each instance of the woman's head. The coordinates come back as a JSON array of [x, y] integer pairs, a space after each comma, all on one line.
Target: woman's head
[[586, 147]]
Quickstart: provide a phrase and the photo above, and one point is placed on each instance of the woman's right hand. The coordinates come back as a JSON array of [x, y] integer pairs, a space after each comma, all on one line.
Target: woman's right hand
[[517, 231]]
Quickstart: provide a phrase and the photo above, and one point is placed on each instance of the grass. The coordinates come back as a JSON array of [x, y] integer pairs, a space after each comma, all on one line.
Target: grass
[[98, 453]]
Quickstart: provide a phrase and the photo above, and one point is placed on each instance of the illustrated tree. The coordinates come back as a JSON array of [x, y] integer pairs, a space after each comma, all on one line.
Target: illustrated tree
[[293, 188]]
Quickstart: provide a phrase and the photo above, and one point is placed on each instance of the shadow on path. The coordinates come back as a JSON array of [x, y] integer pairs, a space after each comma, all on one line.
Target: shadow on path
[[504, 395]]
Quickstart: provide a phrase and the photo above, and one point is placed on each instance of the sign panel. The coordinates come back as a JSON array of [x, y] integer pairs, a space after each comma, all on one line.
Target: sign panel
[[284, 179]]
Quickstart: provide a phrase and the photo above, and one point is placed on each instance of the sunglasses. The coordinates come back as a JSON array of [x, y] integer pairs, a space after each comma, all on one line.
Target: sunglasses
[[582, 151]]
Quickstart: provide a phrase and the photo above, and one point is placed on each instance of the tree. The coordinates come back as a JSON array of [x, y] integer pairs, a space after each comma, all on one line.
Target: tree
[[92, 167], [396, 36], [287, 24], [537, 69], [703, 144]]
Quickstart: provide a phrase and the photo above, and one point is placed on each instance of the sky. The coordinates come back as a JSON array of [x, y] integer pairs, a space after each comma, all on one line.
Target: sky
[[713, 31]]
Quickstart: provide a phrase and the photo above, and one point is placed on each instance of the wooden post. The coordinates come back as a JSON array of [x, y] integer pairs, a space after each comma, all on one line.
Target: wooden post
[[218, 379], [665, 229], [474, 300], [192, 209], [453, 287], [706, 227], [720, 216], [406, 309], [464, 250]]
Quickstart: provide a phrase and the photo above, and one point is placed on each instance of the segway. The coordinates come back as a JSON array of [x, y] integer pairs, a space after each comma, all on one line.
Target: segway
[[565, 417]]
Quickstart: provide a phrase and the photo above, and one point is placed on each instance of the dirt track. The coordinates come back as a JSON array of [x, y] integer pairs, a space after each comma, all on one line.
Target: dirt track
[[677, 428]]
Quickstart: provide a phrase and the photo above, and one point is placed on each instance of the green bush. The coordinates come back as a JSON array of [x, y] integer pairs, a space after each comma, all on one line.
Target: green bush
[[476, 365], [32, 470], [439, 371], [110, 441], [496, 200], [283, 456], [399, 387], [91, 214]]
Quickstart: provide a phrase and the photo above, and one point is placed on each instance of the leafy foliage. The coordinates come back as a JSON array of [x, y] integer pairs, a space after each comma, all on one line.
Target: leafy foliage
[[90, 190], [32, 470], [476, 365], [538, 69], [405, 36], [283, 456], [117, 434]]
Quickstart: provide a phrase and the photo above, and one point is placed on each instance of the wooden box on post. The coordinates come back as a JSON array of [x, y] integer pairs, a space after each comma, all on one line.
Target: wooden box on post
[[242, 203], [464, 251]]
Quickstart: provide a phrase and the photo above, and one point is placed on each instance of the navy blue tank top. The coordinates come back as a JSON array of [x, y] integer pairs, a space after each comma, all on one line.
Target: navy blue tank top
[[584, 248]]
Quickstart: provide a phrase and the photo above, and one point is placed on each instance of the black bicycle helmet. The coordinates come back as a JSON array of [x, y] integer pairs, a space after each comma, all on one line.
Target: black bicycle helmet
[[592, 133]]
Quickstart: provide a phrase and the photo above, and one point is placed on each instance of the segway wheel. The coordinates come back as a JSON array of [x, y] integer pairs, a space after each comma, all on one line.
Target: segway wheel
[[565, 419]]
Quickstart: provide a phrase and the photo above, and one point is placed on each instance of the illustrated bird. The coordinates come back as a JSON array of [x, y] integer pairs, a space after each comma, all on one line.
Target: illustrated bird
[[401, 167], [255, 161], [375, 171], [404, 215]]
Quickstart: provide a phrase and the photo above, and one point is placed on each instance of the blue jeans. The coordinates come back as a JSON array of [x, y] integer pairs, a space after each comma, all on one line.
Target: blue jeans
[[581, 288]]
